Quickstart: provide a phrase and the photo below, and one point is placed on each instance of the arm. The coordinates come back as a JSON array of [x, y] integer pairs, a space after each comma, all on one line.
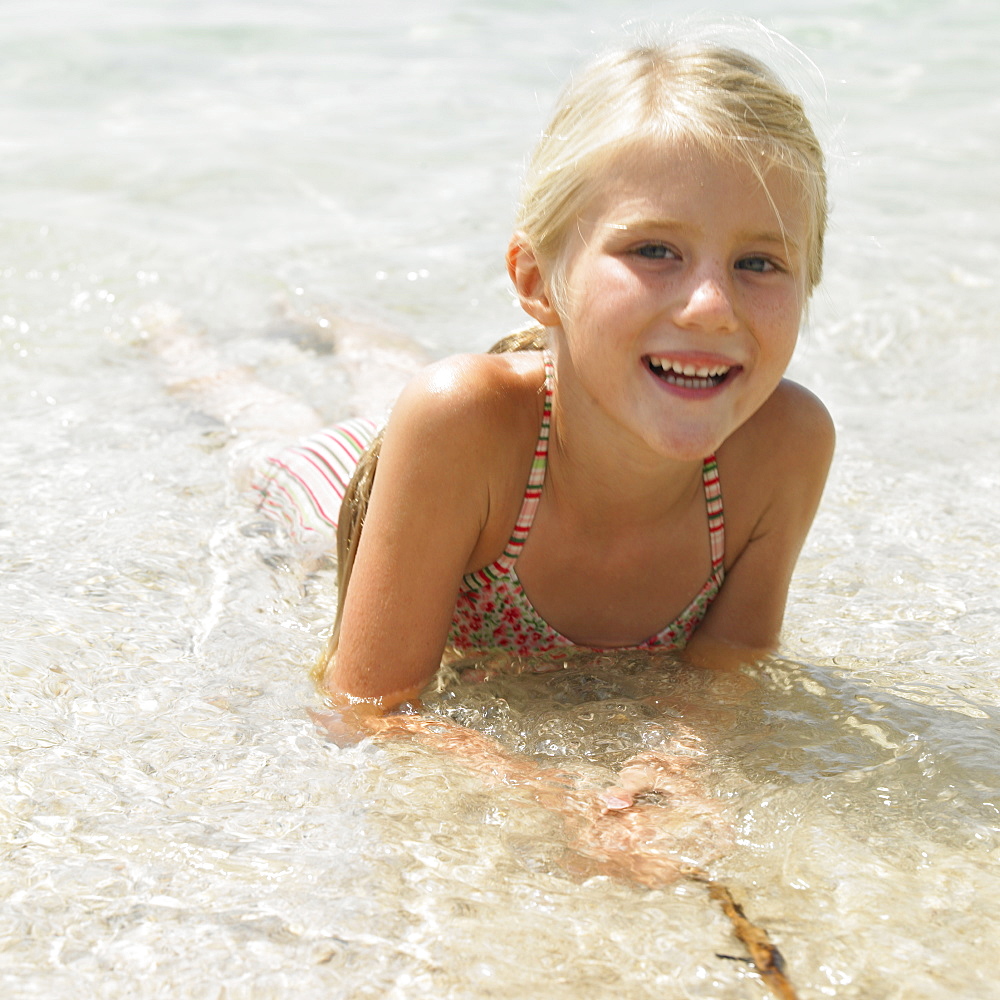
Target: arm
[[402, 592], [786, 450], [429, 503], [789, 452], [424, 528]]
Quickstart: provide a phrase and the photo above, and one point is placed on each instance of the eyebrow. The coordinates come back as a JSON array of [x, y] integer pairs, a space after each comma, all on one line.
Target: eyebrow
[[749, 236]]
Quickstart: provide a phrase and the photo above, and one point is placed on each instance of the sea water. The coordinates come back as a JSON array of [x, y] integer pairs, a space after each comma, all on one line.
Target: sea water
[[171, 822]]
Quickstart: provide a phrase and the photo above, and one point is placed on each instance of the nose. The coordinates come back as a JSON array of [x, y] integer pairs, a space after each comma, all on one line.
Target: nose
[[707, 303]]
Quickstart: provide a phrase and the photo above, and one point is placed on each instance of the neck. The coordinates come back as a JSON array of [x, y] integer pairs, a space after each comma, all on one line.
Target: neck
[[605, 476]]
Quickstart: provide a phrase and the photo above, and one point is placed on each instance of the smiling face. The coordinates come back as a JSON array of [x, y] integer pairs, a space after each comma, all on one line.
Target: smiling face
[[680, 296]]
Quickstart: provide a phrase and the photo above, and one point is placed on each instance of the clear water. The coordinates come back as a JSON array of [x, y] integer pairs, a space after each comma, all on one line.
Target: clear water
[[171, 823]]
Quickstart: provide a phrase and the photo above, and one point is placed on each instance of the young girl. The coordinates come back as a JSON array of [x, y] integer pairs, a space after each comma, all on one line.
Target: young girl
[[632, 472]]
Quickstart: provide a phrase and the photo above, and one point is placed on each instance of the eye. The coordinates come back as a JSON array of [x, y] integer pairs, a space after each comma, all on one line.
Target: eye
[[759, 265], [655, 251]]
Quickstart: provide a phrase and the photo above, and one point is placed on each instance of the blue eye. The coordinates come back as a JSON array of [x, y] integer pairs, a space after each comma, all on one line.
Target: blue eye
[[654, 251], [759, 265]]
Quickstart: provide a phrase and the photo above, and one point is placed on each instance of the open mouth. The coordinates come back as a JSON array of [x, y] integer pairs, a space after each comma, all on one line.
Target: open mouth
[[689, 376]]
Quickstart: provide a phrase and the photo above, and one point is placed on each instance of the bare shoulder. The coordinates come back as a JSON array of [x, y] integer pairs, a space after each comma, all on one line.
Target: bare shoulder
[[774, 467], [793, 431], [472, 395], [800, 411], [462, 433]]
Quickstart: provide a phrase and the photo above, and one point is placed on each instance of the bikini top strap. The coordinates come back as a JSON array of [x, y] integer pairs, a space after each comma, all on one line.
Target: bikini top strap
[[532, 493], [716, 521], [536, 479]]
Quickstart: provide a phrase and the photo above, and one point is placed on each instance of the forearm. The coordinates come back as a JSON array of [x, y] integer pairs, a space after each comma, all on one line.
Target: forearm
[[354, 720], [712, 653], [626, 829], [553, 788]]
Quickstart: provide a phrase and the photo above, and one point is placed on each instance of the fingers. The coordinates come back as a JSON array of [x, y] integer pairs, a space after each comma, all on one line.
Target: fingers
[[614, 799], [335, 728], [639, 778]]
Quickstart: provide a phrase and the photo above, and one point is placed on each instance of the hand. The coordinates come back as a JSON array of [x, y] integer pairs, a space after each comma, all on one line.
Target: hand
[[651, 826], [651, 774], [348, 724]]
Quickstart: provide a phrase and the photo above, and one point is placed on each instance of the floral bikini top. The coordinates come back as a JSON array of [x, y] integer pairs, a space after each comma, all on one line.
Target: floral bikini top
[[493, 612]]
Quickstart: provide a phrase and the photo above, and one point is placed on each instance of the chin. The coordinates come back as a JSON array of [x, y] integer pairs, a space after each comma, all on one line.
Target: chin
[[689, 448]]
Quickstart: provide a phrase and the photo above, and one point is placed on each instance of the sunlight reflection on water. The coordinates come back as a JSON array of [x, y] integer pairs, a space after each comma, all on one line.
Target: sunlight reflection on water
[[172, 822]]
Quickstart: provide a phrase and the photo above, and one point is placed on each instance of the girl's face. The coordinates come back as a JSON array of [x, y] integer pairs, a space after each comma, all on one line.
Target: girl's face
[[681, 296]]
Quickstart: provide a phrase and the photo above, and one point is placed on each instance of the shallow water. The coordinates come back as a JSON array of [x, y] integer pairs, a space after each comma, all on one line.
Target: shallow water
[[171, 822]]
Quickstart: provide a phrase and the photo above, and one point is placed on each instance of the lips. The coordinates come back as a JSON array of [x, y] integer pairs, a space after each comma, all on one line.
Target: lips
[[687, 374]]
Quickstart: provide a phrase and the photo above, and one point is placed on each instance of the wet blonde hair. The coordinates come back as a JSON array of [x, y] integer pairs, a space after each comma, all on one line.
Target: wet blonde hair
[[721, 98]]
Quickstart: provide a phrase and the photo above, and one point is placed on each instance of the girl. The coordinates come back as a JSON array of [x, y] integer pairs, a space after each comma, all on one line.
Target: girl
[[632, 471]]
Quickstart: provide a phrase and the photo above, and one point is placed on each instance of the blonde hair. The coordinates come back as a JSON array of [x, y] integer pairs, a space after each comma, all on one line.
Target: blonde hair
[[720, 98]]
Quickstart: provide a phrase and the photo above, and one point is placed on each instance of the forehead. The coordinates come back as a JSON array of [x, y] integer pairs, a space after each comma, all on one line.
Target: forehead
[[684, 182]]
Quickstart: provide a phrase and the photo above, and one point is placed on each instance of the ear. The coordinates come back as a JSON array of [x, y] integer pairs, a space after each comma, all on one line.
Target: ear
[[531, 281]]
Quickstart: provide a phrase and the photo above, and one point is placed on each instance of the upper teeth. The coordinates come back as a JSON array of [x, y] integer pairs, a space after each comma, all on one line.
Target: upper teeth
[[680, 368]]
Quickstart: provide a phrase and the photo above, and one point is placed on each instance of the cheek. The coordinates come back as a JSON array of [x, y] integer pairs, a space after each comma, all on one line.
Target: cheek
[[784, 344], [778, 324], [786, 321], [593, 300]]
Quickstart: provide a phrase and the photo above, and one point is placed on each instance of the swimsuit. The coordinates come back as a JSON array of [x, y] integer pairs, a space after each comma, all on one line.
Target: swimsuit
[[302, 487]]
